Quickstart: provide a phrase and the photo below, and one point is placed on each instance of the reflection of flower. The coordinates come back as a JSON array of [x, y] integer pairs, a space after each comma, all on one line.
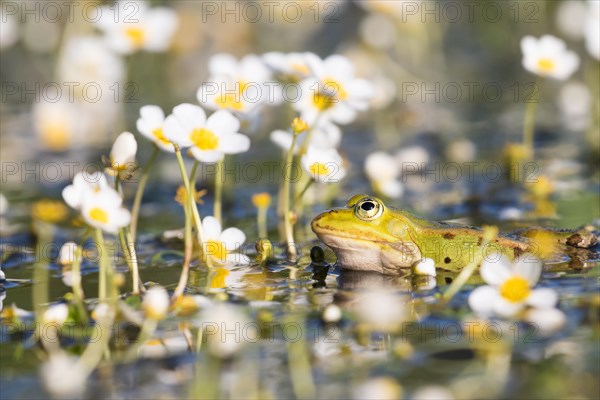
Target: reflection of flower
[[548, 57], [130, 26], [324, 165], [66, 255], [219, 322], [333, 93], [237, 86], [510, 287], [382, 310], [426, 266], [221, 245], [209, 138], [151, 124], [382, 171], [156, 303]]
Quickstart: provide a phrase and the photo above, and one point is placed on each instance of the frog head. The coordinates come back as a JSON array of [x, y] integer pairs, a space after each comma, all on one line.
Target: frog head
[[367, 235]]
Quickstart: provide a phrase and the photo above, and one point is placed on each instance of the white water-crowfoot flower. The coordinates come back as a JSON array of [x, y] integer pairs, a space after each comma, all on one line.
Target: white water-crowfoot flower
[[288, 67], [130, 26], [333, 93], [66, 255], [383, 172], [324, 136], [425, 266], [324, 165], [221, 245], [548, 57], [122, 154], [103, 209], [510, 287], [84, 184], [209, 138], [156, 303], [56, 314], [237, 86], [592, 29], [151, 125]]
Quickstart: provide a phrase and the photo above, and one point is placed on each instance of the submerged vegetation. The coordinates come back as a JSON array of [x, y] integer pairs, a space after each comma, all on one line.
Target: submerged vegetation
[[177, 260]]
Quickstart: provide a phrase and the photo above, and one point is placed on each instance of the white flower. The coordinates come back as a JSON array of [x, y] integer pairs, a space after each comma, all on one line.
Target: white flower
[[378, 31], [3, 204], [546, 320], [382, 388], [323, 136], [592, 29], [122, 154], [83, 184], [67, 253], [103, 210], [291, 67], [163, 347], [219, 322], [425, 266], [130, 26], [156, 303], [334, 93], [237, 86], [548, 57], [63, 376], [332, 314], [210, 139], [221, 245], [56, 314], [151, 125], [85, 60], [510, 287], [324, 165], [382, 171], [569, 15], [415, 156], [9, 30], [432, 392]]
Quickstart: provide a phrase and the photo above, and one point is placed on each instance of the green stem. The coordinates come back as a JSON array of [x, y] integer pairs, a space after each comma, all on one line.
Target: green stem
[[218, 189], [289, 230], [192, 203], [529, 122], [105, 270], [139, 194], [137, 282], [301, 194], [261, 222], [40, 270], [77, 289]]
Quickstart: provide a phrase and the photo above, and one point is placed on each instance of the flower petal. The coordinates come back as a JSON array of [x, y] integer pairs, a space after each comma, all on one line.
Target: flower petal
[[543, 298], [529, 267], [507, 309], [237, 258], [222, 122], [211, 227], [190, 116], [175, 132], [233, 238], [482, 299], [495, 269], [547, 320], [207, 156], [234, 143]]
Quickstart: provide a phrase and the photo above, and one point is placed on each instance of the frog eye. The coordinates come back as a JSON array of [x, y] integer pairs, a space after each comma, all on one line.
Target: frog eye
[[368, 209]]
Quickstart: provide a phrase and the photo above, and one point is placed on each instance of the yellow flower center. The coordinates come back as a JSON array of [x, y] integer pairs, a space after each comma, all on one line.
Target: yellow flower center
[[49, 211], [546, 65], [331, 92], [98, 215], [204, 139], [216, 250], [160, 136], [319, 169], [218, 280], [336, 88], [301, 69], [233, 99], [261, 200], [136, 35], [323, 101], [515, 289]]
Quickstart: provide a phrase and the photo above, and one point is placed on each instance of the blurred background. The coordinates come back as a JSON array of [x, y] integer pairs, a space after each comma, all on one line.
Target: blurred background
[[449, 83]]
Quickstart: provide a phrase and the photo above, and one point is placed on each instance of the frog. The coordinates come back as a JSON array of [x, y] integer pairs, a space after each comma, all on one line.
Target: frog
[[367, 235]]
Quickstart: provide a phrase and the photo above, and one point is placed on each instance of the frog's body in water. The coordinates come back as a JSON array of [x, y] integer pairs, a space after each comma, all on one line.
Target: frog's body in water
[[366, 235]]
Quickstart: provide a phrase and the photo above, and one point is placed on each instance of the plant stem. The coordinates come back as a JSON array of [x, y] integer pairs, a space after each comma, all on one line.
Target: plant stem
[[529, 122], [301, 194], [187, 258], [137, 282], [195, 213], [261, 221], [105, 270], [289, 229], [137, 202], [77, 289], [218, 190]]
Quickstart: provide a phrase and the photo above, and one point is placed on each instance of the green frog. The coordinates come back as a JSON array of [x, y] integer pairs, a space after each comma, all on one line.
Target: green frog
[[369, 236]]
